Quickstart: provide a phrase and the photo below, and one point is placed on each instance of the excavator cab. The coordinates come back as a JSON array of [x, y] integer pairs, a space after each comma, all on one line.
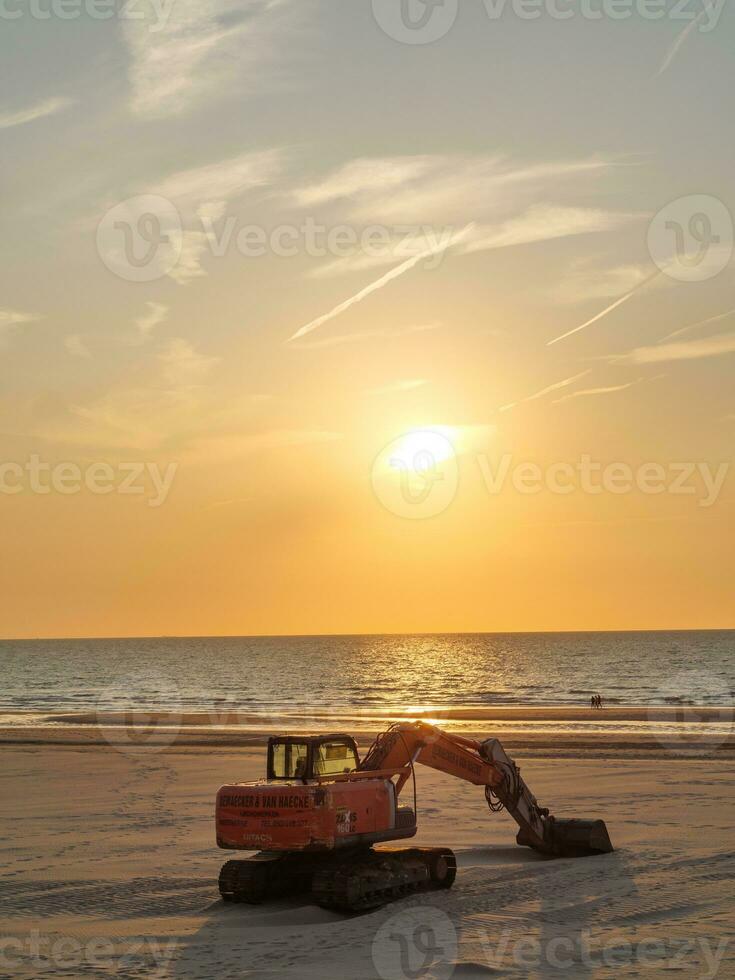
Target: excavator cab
[[309, 757]]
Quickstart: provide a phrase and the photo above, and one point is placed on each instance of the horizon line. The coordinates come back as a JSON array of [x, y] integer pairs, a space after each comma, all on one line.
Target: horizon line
[[401, 633]]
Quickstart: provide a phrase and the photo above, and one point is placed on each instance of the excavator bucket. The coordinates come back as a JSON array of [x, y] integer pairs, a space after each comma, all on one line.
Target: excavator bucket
[[580, 838], [573, 838]]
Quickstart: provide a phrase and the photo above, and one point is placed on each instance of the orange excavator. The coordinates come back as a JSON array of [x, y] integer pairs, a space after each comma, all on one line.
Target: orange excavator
[[316, 817]]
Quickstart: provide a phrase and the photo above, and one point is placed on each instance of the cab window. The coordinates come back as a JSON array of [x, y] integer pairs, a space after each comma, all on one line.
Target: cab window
[[290, 760], [334, 759]]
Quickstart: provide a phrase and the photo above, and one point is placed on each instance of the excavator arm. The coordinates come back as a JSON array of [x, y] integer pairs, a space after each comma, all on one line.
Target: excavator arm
[[485, 764]]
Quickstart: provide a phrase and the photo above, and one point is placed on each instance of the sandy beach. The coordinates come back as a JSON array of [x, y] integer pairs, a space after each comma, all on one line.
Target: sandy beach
[[110, 869]]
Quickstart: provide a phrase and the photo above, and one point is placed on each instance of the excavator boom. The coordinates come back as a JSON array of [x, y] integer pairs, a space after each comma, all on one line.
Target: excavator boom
[[486, 764]]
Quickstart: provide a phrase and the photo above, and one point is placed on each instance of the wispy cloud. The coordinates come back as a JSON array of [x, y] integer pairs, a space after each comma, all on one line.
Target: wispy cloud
[[183, 365], [145, 324], [538, 224], [440, 189], [11, 320], [202, 49], [587, 281], [201, 196], [609, 309], [380, 283], [76, 347], [544, 223], [38, 111], [557, 386], [165, 399], [591, 392], [366, 176], [684, 351], [204, 189]]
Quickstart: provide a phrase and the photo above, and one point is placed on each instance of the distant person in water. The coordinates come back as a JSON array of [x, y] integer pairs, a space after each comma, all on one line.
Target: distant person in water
[[593, 701]]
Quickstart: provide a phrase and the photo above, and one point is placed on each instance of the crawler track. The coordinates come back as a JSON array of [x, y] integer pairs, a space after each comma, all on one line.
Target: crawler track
[[348, 882]]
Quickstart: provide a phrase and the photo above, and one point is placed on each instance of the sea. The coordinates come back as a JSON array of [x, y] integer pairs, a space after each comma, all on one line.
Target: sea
[[302, 676]]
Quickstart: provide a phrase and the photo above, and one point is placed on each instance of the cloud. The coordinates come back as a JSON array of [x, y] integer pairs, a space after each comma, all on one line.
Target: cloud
[[166, 399], [585, 283], [558, 385], [613, 306], [380, 283], [201, 50], [39, 111], [204, 189], [538, 224], [440, 188], [201, 195], [365, 176], [684, 351], [10, 320], [183, 365], [145, 324], [544, 223], [590, 392], [76, 346]]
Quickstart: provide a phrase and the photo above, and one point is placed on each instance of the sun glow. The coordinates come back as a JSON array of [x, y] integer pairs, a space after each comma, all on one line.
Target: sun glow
[[436, 445]]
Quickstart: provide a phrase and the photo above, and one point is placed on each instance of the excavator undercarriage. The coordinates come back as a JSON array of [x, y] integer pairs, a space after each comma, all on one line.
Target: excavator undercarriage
[[351, 881], [317, 816]]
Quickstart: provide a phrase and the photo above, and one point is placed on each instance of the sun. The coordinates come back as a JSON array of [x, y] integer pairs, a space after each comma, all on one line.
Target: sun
[[418, 446]]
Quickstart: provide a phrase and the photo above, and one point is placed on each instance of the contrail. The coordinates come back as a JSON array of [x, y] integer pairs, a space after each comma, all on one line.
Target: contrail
[[546, 391], [613, 306], [587, 392], [696, 326], [383, 281], [679, 43]]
